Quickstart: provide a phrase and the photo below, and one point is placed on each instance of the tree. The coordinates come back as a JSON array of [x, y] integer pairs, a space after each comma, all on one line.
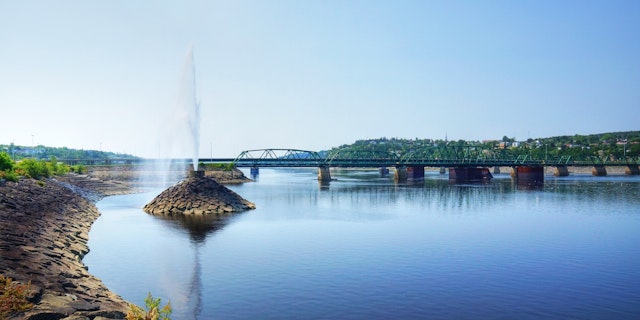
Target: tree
[[6, 164]]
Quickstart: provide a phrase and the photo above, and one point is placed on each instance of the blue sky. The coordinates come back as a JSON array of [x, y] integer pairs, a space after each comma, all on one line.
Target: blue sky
[[315, 74]]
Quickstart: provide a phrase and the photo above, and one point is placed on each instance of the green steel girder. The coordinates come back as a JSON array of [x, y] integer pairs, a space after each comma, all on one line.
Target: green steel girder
[[431, 156]]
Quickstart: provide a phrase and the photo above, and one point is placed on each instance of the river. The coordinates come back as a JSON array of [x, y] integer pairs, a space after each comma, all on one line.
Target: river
[[364, 247]]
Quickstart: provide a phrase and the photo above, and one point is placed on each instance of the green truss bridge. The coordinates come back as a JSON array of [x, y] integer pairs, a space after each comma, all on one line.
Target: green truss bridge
[[464, 163]]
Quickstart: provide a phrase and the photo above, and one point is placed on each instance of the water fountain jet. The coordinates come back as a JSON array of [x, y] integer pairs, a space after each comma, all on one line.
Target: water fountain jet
[[197, 194]]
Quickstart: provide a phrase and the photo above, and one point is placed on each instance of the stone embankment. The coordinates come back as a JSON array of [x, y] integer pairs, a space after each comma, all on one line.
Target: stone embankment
[[198, 196], [44, 228]]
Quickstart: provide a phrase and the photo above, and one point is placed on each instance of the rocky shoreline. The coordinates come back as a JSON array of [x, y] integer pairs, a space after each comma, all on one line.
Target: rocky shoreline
[[44, 227]]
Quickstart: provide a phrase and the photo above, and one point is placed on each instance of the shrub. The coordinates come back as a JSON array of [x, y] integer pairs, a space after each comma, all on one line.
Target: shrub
[[153, 311], [57, 168], [79, 169], [34, 169], [13, 297], [220, 166], [9, 176], [6, 164]]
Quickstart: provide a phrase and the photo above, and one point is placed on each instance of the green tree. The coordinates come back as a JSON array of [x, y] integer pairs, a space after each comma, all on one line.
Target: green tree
[[6, 164]]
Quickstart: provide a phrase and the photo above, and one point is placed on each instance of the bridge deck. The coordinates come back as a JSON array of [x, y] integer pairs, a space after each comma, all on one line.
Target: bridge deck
[[430, 157]]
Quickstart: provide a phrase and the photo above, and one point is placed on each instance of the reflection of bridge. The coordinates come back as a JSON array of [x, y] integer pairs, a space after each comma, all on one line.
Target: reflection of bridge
[[464, 163]]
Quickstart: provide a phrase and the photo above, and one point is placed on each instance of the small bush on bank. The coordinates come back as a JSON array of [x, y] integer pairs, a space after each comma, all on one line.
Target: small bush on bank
[[7, 168], [9, 176], [217, 166], [79, 169], [6, 164], [152, 312], [57, 168], [13, 297], [40, 169], [33, 169]]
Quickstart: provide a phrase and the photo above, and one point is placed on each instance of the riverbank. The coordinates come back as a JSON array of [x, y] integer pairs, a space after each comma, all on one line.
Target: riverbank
[[44, 227]]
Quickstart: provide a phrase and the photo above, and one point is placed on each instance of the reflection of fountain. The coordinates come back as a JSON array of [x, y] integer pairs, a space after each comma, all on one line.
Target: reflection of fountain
[[195, 287], [198, 227]]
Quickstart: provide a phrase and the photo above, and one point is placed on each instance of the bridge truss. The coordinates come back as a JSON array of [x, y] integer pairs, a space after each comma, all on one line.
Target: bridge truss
[[427, 157], [445, 156]]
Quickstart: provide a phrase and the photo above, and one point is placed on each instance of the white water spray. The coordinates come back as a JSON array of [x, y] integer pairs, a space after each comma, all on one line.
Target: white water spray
[[192, 106], [179, 133]]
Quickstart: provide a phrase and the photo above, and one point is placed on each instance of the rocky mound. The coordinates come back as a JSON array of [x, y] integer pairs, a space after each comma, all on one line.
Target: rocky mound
[[198, 196]]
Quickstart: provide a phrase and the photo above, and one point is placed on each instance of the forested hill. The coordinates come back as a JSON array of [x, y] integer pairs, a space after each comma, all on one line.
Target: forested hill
[[42, 152], [614, 144]]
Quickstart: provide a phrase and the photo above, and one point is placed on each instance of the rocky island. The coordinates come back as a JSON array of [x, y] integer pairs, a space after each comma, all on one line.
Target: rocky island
[[198, 195]]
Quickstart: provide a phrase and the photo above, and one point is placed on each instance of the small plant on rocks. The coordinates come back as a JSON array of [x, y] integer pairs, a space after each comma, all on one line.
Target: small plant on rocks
[[13, 297], [152, 312]]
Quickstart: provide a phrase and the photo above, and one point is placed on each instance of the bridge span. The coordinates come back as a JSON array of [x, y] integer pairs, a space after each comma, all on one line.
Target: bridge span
[[464, 164]]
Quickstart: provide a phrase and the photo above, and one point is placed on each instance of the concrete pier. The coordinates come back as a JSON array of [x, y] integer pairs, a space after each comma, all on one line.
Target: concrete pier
[[632, 170], [404, 174], [561, 171], [415, 173], [324, 174], [400, 174], [496, 170], [469, 174], [255, 171], [599, 171], [528, 175]]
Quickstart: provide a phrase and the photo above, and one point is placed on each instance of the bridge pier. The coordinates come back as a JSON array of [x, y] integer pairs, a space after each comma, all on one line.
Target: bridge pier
[[324, 174], [468, 174], [415, 172], [400, 174], [528, 175], [403, 173], [599, 171], [255, 171], [496, 170], [561, 171], [384, 171], [632, 170], [443, 170]]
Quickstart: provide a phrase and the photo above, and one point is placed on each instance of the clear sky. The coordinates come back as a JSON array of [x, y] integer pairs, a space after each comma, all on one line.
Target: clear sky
[[315, 74]]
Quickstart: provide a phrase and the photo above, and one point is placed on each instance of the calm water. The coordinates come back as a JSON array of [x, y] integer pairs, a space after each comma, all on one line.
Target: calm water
[[366, 248]]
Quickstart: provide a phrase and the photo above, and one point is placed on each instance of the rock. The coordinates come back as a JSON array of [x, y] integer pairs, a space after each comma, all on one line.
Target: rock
[[197, 196]]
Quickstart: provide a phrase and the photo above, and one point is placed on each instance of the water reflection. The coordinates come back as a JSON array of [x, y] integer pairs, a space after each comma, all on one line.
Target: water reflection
[[198, 227]]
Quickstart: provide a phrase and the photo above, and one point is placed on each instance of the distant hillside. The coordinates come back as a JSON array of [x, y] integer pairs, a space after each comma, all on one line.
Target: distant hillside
[[42, 152], [611, 144]]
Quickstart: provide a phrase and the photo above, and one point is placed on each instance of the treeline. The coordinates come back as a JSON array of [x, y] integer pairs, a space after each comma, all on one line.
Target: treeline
[[612, 145], [43, 152]]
